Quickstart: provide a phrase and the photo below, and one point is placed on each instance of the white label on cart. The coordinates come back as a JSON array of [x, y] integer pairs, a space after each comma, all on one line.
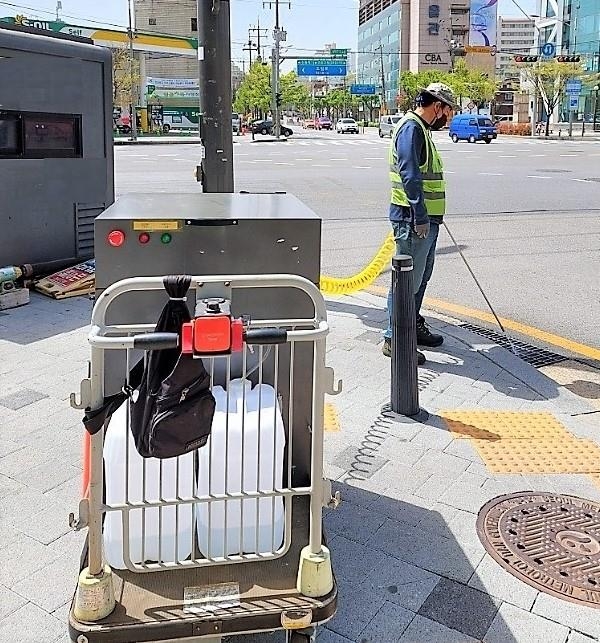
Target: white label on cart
[[210, 598]]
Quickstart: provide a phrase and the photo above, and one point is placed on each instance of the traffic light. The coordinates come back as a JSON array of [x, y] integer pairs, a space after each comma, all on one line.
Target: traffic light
[[568, 59], [526, 59], [278, 98]]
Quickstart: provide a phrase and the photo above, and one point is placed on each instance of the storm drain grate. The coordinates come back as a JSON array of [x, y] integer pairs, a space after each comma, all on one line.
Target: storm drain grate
[[531, 354], [549, 541]]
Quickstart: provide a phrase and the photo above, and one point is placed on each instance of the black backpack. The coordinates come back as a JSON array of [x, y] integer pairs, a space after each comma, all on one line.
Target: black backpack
[[171, 404]]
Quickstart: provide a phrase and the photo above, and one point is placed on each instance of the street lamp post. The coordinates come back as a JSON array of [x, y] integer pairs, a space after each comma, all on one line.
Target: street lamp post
[[596, 90]]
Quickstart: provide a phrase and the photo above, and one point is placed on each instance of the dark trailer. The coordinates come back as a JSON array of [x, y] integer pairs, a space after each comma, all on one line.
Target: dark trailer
[[56, 148]]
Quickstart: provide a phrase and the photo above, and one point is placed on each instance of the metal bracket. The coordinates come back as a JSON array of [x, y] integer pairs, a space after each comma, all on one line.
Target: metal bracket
[[85, 396], [77, 524], [331, 386], [330, 499]]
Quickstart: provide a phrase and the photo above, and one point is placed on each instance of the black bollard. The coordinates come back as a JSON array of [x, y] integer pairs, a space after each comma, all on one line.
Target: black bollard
[[405, 384]]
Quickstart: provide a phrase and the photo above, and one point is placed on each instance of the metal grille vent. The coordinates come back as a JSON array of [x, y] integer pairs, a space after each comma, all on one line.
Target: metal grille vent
[[85, 213], [531, 354]]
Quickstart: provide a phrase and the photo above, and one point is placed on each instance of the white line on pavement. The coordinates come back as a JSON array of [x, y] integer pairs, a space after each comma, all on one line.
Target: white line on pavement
[[361, 167], [304, 159], [490, 174], [535, 176], [567, 154], [320, 165], [373, 158], [581, 180], [536, 155], [281, 163], [507, 156], [338, 159]]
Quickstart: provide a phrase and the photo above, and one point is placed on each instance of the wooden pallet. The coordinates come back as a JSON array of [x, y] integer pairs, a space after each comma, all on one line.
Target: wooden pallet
[[71, 282]]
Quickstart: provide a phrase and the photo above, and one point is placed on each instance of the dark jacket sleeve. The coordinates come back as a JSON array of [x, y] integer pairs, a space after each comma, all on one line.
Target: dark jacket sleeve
[[410, 147]]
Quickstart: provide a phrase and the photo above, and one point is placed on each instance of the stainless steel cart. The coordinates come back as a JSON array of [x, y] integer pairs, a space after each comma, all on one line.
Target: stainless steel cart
[[174, 583]]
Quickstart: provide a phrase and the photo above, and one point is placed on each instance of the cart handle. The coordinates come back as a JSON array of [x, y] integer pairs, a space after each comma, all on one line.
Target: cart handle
[[266, 336], [155, 341]]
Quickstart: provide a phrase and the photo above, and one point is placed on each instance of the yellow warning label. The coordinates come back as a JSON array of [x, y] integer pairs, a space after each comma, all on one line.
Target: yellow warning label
[[156, 226]]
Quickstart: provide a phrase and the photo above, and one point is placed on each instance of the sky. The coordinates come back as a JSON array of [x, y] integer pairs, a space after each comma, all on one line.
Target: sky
[[310, 24]]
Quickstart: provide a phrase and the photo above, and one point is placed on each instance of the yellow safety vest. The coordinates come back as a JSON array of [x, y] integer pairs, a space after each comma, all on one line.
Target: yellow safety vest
[[432, 173]]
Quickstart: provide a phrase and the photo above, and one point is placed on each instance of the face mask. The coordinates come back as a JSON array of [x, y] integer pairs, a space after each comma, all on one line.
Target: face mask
[[439, 122]]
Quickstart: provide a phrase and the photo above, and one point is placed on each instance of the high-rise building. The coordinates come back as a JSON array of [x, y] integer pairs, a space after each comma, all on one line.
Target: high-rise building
[[378, 57], [168, 17], [514, 36], [413, 35]]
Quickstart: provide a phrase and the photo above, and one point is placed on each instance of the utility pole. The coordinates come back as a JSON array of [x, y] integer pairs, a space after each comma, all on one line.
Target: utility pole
[[132, 102], [250, 47], [279, 36], [258, 30], [214, 54]]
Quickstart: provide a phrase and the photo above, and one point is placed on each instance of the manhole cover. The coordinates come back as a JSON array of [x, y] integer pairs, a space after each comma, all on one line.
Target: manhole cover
[[550, 541]]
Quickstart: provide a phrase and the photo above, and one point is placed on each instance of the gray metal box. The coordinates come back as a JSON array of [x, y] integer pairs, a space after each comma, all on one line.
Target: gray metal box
[[218, 234]]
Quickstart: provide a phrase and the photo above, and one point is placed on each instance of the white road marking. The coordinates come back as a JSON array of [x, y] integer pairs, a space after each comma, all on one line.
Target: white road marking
[[490, 174], [320, 165], [280, 163], [507, 156], [536, 155], [581, 180], [338, 159], [361, 167], [535, 176], [373, 158], [567, 154], [304, 159]]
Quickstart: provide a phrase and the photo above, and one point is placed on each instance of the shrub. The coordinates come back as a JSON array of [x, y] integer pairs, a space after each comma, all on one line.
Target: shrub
[[516, 129]]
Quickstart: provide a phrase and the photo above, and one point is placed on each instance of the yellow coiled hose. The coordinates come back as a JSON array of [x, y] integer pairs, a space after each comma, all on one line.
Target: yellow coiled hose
[[363, 279]]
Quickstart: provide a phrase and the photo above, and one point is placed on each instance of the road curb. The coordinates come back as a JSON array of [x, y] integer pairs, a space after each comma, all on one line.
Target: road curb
[[183, 141]]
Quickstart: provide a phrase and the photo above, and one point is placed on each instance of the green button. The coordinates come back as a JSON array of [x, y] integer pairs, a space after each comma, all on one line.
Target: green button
[[166, 238]]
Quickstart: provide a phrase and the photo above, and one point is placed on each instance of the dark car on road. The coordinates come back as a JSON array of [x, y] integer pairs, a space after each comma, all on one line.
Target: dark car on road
[[266, 127], [323, 122]]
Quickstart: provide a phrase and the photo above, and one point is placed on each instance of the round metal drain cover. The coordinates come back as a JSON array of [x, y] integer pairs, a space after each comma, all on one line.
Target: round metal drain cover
[[550, 541]]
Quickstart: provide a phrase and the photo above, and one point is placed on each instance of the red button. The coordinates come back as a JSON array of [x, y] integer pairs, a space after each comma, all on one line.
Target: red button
[[144, 238], [116, 238]]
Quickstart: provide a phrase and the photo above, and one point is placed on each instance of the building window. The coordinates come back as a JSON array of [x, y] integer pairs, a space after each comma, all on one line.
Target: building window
[[194, 25], [152, 22]]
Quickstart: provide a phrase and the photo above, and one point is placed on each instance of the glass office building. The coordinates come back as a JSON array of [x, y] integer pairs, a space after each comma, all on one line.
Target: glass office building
[[379, 47]]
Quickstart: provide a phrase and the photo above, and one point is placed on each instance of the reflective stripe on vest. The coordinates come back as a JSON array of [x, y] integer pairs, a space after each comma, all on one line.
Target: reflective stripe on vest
[[432, 172]]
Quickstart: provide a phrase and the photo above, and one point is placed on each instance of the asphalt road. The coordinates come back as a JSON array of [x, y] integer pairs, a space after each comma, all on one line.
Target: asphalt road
[[526, 213]]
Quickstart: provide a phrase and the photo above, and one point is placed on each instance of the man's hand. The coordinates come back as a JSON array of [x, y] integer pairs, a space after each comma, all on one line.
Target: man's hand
[[422, 230]]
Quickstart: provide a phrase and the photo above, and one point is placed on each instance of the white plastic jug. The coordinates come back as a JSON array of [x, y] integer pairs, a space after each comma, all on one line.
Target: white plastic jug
[[244, 447], [175, 523]]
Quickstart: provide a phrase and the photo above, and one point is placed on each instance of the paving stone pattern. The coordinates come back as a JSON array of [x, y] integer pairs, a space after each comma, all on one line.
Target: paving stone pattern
[[408, 562]]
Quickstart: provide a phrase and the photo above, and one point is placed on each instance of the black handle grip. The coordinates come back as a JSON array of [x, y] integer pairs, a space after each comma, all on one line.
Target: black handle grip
[[156, 341], [266, 336]]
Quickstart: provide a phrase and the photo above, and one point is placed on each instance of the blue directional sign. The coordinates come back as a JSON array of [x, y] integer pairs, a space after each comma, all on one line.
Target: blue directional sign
[[573, 87], [363, 90], [548, 49], [322, 67]]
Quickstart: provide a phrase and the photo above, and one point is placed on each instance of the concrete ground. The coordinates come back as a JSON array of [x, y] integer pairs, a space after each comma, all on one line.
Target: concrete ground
[[409, 564]]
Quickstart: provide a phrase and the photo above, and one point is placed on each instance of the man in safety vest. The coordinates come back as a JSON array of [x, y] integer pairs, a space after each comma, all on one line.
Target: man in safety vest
[[418, 199]]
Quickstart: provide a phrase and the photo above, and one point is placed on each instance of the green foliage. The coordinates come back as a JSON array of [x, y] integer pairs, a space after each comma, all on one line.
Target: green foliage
[[293, 92], [465, 82], [548, 78], [254, 92], [126, 77]]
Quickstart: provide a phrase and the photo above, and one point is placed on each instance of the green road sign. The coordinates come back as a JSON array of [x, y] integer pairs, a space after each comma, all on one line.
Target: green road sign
[[151, 89], [339, 53]]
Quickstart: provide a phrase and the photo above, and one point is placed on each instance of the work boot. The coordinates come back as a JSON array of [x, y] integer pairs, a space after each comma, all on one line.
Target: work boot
[[425, 337], [387, 351]]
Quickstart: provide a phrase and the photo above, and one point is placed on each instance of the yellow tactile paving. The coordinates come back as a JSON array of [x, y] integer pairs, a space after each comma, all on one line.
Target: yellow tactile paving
[[525, 442], [500, 425], [331, 419], [567, 455]]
